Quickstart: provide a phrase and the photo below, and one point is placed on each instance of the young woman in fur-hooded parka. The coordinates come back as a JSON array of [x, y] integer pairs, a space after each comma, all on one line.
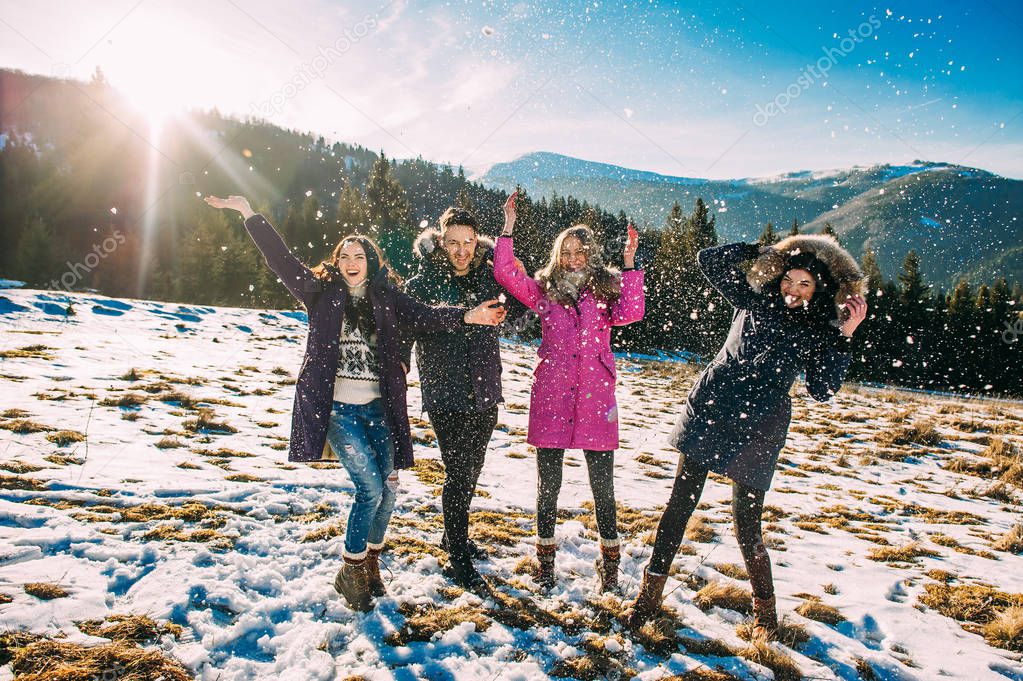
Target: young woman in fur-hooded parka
[[795, 311]]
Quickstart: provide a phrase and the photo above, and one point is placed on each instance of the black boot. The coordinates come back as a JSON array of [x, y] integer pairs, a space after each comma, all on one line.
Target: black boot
[[462, 572], [472, 548]]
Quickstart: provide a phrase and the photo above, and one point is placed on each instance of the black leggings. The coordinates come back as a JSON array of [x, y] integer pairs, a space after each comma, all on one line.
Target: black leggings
[[600, 466], [747, 508], [463, 438]]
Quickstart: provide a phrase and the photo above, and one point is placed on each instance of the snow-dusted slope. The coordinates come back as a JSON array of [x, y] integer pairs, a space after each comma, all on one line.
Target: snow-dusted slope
[[193, 516]]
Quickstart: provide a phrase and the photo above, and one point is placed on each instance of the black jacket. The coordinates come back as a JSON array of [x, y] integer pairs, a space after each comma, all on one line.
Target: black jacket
[[737, 415], [458, 370]]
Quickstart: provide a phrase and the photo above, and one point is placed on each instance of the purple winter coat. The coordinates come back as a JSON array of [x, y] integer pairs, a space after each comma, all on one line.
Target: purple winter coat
[[572, 403], [394, 312]]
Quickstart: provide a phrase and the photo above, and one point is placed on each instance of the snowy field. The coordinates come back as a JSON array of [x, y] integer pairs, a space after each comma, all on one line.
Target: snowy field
[[145, 473]]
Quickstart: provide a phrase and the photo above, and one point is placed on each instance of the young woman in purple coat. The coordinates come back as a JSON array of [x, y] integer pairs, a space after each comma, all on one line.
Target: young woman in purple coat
[[572, 402], [351, 390]]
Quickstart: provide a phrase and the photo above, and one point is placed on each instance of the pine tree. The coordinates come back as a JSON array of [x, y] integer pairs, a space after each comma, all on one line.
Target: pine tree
[[389, 213], [388, 208], [768, 237], [35, 260], [961, 304], [702, 228], [351, 210], [872, 272], [667, 280], [829, 230], [795, 227], [913, 291], [464, 201]]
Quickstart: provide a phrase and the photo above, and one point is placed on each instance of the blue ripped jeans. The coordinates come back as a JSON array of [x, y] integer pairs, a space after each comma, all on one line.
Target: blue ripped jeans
[[359, 436]]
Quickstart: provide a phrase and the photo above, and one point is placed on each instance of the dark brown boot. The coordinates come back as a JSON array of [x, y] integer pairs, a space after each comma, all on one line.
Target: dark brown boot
[[545, 557], [376, 582], [765, 617], [648, 602], [352, 582], [607, 568]]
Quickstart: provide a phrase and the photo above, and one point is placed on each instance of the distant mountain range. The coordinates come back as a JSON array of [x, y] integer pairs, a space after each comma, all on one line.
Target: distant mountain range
[[964, 222]]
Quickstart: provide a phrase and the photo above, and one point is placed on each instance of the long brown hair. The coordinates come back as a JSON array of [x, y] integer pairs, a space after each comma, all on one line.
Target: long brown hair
[[605, 282], [330, 269]]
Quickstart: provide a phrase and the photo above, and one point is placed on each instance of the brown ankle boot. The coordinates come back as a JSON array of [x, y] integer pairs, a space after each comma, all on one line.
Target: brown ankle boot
[[765, 617], [648, 601], [545, 553], [607, 568], [352, 582], [376, 582]]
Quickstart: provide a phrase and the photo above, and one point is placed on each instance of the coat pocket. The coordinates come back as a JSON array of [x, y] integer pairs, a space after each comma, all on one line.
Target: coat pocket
[[608, 360]]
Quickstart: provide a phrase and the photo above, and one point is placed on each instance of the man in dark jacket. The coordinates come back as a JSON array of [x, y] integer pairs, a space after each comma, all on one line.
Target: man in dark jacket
[[459, 371]]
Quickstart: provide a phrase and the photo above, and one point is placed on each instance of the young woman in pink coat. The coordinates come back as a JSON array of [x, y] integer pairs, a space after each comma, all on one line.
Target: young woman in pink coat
[[572, 403]]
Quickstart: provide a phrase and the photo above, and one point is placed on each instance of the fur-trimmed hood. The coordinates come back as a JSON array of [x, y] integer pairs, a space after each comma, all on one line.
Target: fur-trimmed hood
[[841, 266], [429, 249]]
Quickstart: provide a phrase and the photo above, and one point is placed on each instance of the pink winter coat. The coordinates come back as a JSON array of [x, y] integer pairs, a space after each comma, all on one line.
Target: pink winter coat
[[572, 403]]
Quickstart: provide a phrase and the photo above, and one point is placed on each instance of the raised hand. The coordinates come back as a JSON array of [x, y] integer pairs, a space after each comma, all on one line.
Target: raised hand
[[631, 246], [510, 213], [856, 311], [488, 313], [238, 203]]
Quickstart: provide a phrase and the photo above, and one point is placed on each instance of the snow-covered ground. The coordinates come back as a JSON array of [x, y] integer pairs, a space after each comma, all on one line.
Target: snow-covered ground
[[195, 517]]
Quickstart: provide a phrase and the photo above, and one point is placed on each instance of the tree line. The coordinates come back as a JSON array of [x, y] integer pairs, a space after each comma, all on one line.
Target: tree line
[[76, 181]]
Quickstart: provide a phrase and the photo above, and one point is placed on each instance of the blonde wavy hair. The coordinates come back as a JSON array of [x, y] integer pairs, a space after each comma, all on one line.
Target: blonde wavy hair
[[603, 281]]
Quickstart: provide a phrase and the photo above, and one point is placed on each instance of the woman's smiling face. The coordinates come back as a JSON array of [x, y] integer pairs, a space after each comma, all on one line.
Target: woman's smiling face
[[797, 288], [574, 255], [352, 263]]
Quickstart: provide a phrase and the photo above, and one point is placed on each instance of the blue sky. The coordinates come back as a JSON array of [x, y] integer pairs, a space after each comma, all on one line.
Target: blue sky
[[698, 89]]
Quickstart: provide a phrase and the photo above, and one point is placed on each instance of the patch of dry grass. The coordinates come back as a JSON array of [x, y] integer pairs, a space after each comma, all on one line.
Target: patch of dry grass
[[733, 570], [38, 658], [204, 536], [907, 553], [127, 400], [763, 653], [206, 422], [976, 603], [416, 548], [18, 482], [702, 674], [789, 634], [491, 528], [1011, 541], [244, 477], [724, 595], [62, 438], [14, 414], [129, 628], [45, 590], [1006, 629], [812, 608], [324, 533], [429, 471], [19, 467], [422, 622], [918, 433], [700, 529], [28, 352], [25, 426]]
